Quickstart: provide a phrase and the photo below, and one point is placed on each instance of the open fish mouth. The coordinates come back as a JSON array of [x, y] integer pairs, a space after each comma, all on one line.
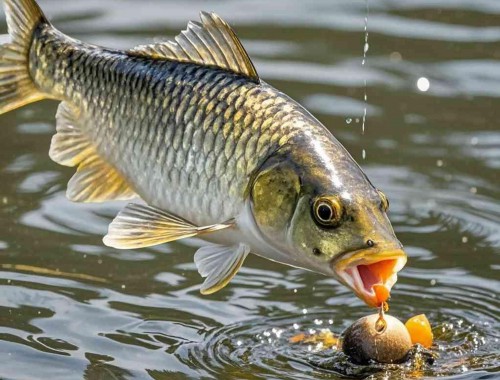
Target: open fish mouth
[[371, 273]]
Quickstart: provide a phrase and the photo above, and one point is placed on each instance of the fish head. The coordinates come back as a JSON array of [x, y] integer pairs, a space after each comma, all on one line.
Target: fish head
[[350, 238], [319, 206]]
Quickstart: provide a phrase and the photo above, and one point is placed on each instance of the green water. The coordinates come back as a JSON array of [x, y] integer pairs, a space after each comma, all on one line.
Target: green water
[[71, 308]]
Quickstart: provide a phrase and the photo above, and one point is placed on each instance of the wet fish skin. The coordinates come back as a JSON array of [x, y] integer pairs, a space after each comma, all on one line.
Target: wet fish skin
[[206, 130], [213, 150]]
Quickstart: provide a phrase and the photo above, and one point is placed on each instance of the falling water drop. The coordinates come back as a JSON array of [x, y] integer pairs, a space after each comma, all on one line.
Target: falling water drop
[[366, 46], [423, 84]]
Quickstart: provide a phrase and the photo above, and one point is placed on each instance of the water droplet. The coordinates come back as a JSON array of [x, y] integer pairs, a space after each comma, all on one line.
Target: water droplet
[[296, 326], [439, 163], [423, 84], [395, 56], [364, 154], [295, 290], [348, 120], [239, 343], [304, 311], [465, 239], [473, 190], [124, 286], [366, 47], [433, 282], [380, 325]]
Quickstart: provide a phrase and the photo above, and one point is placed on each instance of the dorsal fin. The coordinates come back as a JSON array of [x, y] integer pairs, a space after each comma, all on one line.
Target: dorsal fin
[[211, 43]]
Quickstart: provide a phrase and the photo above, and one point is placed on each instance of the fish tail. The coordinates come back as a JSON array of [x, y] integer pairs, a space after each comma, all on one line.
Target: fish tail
[[16, 85]]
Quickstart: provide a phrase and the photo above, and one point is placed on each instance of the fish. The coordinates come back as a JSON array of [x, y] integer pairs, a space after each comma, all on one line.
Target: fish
[[201, 146]]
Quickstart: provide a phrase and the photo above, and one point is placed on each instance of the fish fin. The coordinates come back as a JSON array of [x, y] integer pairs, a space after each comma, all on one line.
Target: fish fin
[[69, 146], [211, 43], [218, 264], [95, 180], [139, 226], [16, 86]]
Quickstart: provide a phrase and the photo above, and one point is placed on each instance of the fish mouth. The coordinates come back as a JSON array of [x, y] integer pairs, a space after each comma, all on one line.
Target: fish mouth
[[371, 273]]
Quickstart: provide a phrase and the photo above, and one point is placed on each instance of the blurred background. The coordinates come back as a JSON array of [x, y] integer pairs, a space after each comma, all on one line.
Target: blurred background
[[427, 95]]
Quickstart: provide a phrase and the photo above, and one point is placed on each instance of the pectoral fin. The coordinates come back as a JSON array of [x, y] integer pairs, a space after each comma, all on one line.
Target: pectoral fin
[[218, 264], [139, 226]]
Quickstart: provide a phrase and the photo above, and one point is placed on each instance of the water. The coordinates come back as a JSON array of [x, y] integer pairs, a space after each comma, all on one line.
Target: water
[[72, 308]]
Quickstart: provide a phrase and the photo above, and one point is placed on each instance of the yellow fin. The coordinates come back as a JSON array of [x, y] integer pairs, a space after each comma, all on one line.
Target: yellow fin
[[139, 226], [95, 180], [211, 43], [16, 85], [69, 146], [218, 264]]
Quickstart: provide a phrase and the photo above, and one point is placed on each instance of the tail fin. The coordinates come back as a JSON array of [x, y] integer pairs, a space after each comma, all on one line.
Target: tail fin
[[16, 86]]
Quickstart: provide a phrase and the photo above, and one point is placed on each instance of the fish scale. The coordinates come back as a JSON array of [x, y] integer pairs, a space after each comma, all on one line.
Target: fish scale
[[213, 179], [213, 151]]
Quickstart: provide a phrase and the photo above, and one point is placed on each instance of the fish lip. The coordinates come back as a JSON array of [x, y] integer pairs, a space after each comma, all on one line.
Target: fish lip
[[347, 265]]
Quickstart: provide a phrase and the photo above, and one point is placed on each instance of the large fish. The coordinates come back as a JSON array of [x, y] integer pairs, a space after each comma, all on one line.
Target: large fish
[[214, 151]]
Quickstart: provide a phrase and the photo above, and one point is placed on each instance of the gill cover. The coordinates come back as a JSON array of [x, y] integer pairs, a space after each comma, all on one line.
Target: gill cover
[[275, 193]]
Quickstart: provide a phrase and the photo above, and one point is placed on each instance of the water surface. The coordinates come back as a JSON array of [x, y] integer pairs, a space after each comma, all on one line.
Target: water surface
[[71, 308]]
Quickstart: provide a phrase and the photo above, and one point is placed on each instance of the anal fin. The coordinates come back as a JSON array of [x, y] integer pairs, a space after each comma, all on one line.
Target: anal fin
[[95, 180], [218, 264]]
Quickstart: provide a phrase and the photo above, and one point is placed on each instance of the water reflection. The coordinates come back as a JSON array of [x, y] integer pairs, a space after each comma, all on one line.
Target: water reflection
[[77, 308]]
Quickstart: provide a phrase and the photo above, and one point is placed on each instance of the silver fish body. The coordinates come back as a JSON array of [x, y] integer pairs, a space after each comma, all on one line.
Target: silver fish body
[[213, 151], [187, 137]]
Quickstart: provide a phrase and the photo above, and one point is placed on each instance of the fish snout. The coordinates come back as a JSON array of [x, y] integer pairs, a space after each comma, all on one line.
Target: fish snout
[[371, 272]]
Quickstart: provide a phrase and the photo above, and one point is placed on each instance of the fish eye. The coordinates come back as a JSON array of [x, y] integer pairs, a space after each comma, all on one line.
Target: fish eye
[[327, 211], [384, 202]]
